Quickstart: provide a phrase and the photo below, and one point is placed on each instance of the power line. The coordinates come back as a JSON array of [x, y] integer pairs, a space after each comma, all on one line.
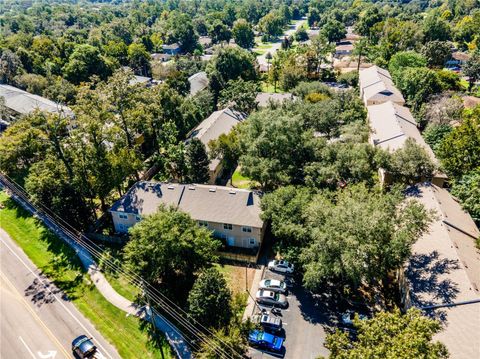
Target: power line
[[135, 279]]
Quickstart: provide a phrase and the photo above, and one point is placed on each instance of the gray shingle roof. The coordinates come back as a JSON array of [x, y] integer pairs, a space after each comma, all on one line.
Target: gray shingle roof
[[445, 268], [263, 99], [198, 82], [376, 84], [24, 102], [203, 202]]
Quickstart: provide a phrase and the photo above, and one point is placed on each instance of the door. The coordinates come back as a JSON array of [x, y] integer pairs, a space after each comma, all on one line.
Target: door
[[231, 241]]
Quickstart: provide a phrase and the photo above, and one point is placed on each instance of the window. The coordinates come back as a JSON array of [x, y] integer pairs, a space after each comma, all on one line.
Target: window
[[252, 241], [227, 226], [123, 216], [121, 226], [247, 229], [138, 217], [203, 223]]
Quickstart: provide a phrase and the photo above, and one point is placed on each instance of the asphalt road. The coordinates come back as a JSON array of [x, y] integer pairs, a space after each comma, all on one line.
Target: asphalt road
[[303, 322], [36, 320]]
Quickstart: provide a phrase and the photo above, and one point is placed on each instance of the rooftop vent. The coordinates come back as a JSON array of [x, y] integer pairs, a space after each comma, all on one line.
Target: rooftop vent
[[212, 189], [232, 191], [191, 188], [171, 186]]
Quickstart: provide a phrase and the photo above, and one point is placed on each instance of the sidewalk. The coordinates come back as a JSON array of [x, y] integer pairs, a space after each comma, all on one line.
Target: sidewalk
[[172, 334], [251, 304]]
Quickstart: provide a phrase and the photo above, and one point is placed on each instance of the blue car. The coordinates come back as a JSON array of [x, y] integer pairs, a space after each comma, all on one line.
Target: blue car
[[264, 340]]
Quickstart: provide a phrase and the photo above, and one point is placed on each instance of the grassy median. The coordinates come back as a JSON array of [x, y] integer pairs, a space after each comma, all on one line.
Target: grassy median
[[60, 263]]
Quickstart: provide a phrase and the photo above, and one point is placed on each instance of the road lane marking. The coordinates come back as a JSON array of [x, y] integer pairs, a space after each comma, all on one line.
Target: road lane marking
[[34, 315], [28, 348], [50, 354], [55, 296]]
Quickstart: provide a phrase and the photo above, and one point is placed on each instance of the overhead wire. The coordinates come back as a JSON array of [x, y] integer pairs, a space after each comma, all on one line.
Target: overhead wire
[[159, 298]]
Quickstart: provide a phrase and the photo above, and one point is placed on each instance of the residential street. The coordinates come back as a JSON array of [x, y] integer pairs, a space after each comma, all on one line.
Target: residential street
[[36, 321], [262, 61]]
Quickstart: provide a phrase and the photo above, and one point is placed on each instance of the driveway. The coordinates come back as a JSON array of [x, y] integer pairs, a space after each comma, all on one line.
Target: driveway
[[304, 321]]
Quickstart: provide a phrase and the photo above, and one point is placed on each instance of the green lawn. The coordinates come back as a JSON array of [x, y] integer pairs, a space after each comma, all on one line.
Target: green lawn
[[240, 181], [59, 262], [267, 87]]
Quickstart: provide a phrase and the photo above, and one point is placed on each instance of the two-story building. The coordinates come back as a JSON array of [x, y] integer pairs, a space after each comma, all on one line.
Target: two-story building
[[390, 127], [18, 102], [442, 276], [218, 123], [376, 87], [231, 214]]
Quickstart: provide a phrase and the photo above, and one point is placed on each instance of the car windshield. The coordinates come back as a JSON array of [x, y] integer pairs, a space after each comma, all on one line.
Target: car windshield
[[259, 335], [267, 282], [276, 296]]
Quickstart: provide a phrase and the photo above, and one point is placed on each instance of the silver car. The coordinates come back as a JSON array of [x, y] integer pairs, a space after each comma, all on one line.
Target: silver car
[[281, 266], [274, 285], [269, 297]]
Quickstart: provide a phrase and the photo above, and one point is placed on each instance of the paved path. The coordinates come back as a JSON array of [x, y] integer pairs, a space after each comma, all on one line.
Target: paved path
[[37, 321], [262, 61], [172, 334]]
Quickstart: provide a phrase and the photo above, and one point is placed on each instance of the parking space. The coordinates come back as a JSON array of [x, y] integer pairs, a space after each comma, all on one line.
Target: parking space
[[304, 324]]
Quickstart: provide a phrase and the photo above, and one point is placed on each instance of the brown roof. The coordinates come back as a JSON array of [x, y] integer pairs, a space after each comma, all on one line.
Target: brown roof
[[376, 83], [445, 268]]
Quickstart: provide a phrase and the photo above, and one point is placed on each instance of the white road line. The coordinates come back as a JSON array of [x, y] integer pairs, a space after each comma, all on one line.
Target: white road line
[[28, 348], [58, 300]]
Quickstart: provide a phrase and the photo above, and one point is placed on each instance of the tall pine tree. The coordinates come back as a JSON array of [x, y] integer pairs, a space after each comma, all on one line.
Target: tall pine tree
[[197, 162]]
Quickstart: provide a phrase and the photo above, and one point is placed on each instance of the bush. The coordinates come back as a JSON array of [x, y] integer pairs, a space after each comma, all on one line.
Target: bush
[[349, 78], [305, 88]]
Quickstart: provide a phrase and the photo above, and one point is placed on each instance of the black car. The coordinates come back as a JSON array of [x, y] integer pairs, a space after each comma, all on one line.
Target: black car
[[268, 322], [83, 347]]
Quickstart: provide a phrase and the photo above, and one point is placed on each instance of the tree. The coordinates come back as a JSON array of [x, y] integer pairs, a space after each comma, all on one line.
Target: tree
[[231, 342], [197, 162], [139, 59], [271, 25], [435, 133], [359, 235], [472, 69], [49, 184], [267, 140], [239, 95], [334, 30], [219, 32], [167, 249], [435, 28], [405, 59], [10, 66], [243, 34], [227, 148], [418, 84], [365, 25], [411, 163], [436, 53], [467, 190], [459, 152], [209, 301], [301, 34], [313, 17], [84, 62], [389, 335], [230, 63]]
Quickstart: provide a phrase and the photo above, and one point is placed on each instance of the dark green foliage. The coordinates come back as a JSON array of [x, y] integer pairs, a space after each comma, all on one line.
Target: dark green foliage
[[435, 133], [239, 95], [209, 300], [459, 151], [389, 335], [436, 53], [418, 84], [167, 249], [467, 190], [197, 162], [243, 34]]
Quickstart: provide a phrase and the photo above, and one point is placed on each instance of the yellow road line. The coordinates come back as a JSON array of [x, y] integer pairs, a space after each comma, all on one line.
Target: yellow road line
[[35, 316]]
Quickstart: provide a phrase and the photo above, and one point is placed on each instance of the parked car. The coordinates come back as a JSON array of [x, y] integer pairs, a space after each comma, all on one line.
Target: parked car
[[263, 340], [273, 285], [272, 298], [83, 347], [268, 322], [281, 266], [349, 315]]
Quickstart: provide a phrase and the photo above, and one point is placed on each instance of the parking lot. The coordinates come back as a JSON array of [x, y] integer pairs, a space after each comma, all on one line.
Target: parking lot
[[304, 321]]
